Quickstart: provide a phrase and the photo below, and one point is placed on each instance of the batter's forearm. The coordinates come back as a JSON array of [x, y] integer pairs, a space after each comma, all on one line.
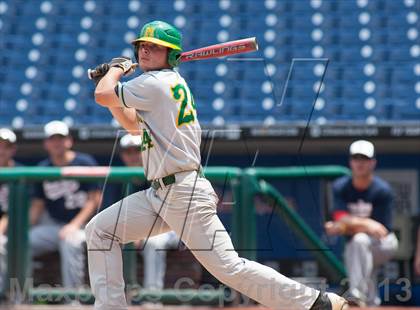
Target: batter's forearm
[[105, 90]]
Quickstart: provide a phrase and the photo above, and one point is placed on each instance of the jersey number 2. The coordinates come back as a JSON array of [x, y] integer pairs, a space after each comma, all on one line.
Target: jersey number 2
[[183, 95]]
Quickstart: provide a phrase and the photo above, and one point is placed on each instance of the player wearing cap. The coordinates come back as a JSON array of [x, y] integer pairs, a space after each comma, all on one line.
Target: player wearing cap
[[61, 208], [160, 104], [7, 152], [363, 206]]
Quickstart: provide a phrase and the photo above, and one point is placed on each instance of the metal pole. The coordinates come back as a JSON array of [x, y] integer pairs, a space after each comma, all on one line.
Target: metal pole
[[17, 245], [247, 220]]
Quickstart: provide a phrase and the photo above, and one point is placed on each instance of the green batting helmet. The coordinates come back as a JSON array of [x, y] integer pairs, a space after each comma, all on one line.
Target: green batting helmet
[[164, 34]]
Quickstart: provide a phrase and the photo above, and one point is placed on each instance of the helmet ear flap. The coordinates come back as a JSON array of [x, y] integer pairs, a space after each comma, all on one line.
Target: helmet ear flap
[[174, 57]]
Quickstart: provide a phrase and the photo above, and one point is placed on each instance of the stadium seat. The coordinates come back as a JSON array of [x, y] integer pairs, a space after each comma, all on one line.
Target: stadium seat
[[403, 110], [350, 34]]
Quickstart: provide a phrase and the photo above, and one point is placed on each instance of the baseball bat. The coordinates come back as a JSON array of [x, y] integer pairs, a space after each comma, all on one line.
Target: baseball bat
[[221, 50], [213, 51]]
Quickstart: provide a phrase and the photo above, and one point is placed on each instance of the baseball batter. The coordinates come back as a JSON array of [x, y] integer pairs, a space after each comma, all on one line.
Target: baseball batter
[[160, 105]]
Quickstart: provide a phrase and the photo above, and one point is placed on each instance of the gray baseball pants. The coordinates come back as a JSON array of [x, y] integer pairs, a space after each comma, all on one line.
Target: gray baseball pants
[[187, 207], [362, 255], [44, 238], [154, 259]]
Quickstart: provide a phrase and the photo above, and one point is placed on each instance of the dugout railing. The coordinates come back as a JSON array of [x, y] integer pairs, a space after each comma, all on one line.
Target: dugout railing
[[17, 288], [254, 181], [245, 184]]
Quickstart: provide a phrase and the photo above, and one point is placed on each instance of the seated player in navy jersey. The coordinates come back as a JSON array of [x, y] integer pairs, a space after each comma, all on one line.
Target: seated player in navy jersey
[[7, 152], [61, 208], [363, 206]]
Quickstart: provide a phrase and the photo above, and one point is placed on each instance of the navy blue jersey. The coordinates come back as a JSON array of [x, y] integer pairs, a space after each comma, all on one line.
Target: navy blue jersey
[[64, 198], [376, 202], [4, 195]]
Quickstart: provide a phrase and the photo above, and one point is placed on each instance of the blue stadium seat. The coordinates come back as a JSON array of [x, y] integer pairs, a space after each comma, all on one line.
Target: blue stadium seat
[[6, 119], [329, 6], [380, 55], [344, 7], [396, 35], [261, 9], [251, 91], [354, 110], [403, 110], [354, 73], [332, 53], [382, 91], [378, 38], [351, 55], [349, 37], [301, 7], [202, 91], [301, 108], [348, 22], [392, 8], [251, 108], [403, 90], [290, 21], [402, 74], [399, 53], [383, 109], [352, 90], [332, 91]]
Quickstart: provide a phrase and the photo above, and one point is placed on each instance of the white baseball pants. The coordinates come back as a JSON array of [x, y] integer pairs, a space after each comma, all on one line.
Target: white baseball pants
[[362, 255], [44, 238], [187, 207], [154, 259]]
